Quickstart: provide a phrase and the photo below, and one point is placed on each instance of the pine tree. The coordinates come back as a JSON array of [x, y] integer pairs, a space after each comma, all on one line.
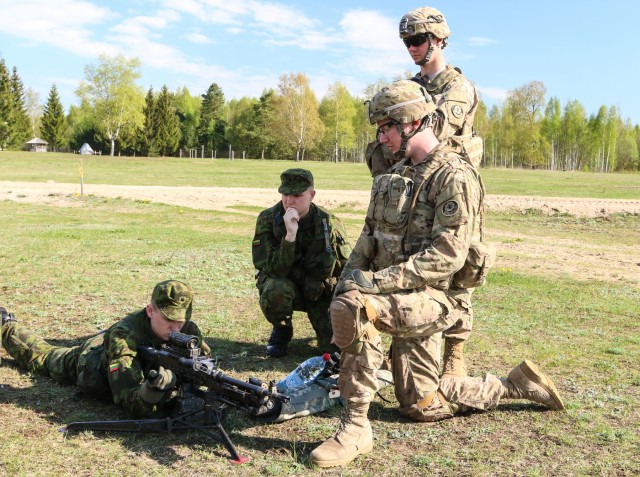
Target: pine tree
[[20, 125], [150, 125], [168, 125], [5, 105], [260, 124], [212, 126], [54, 127]]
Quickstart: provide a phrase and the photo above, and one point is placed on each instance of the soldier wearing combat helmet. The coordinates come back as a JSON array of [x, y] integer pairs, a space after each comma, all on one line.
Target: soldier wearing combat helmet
[[422, 219], [425, 32]]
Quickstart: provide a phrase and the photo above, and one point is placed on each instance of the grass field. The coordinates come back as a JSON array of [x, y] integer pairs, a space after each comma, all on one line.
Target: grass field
[[39, 167], [69, 272]]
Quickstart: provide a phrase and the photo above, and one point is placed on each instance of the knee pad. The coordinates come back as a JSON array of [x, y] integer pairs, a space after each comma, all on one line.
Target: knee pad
[[352, 327]]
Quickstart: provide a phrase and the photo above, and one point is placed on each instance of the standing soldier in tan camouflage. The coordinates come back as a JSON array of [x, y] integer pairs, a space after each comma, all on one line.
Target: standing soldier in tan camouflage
[[423, 219], [425, 32], [107, 366], [299, 250]]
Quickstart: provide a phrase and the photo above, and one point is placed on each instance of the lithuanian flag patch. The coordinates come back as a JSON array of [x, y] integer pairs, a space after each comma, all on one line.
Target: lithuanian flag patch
[[256, 243], [113, 367]]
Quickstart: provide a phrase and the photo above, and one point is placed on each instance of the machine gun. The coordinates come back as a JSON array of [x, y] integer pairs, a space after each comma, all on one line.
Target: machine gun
[[204, 394]]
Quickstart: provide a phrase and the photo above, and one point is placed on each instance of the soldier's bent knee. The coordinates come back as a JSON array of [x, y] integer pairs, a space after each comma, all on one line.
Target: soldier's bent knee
[[351, 327]]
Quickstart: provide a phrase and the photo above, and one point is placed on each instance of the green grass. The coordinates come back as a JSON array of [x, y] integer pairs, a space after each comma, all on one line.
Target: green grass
[[68, 272], [57, 167]]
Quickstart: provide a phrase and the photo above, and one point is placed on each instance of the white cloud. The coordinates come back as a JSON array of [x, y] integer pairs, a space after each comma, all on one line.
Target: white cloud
[[68, 24], [481, 41], [374, 44], [141, 26], [198, 37]]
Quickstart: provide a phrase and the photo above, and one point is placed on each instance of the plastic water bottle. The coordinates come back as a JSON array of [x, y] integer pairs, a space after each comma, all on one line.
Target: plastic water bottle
[[305, 373]]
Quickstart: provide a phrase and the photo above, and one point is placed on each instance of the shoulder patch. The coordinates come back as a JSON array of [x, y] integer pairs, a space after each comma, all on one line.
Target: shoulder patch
[[450, 208]]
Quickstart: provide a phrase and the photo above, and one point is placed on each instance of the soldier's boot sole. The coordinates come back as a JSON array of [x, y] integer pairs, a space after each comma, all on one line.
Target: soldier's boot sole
[[531, 371]]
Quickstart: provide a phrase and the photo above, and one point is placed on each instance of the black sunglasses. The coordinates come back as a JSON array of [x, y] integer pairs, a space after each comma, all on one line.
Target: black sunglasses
[[415, 40]]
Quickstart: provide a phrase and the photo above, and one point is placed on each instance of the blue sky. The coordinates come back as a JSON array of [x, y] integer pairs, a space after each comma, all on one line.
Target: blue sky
[[581, 50]]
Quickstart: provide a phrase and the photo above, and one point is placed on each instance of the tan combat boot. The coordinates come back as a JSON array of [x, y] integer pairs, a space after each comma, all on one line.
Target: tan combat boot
[[453, 364], [526, 381], [354, 437]]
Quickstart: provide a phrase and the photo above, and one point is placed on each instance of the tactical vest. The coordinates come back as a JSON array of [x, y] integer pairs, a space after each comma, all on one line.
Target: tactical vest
[[403, 214], [403, 206]]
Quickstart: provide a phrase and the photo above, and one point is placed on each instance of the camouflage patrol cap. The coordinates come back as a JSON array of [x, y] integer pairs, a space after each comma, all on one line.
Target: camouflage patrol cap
[[403, 101], [424, 20], [174, 299], [295, 181]]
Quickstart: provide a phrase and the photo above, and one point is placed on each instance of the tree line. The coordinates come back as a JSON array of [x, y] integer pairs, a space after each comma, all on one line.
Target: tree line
[[116, 116]]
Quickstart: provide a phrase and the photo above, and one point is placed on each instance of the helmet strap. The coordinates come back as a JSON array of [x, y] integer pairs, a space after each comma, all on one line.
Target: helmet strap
[[427, 57], [405, 137]]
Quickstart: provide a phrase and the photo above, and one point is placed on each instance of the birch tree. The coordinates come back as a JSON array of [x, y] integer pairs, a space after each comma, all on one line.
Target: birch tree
[[110, 90], [297, 120]]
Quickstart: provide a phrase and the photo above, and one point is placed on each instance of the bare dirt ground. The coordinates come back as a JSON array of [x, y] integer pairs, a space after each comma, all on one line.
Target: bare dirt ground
[[542, 255]]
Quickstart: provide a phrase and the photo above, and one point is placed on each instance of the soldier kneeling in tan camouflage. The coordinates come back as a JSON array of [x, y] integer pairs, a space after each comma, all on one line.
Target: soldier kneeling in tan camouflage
[[423, 219]]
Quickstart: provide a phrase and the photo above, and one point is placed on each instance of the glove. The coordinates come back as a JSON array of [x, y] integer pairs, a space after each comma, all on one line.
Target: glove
[[363, 281], [158, 383]]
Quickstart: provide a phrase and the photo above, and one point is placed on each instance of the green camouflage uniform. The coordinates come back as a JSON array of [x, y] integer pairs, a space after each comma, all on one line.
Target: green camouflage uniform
[[299, 275], [414, 250], [105, 366]]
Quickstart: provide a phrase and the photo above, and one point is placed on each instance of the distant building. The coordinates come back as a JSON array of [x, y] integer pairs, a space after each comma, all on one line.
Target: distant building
[[37, 145]]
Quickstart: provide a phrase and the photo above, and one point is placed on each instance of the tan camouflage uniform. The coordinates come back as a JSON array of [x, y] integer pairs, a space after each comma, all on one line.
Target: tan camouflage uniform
[[413, 305], [422, 233], [456, 101]]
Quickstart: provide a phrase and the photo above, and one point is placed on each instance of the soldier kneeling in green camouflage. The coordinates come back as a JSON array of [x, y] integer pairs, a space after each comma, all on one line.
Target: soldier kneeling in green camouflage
[[299, 250], [107, 366]]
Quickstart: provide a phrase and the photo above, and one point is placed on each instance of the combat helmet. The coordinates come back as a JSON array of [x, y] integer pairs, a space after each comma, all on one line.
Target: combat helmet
[[403, 101], [424, 20]]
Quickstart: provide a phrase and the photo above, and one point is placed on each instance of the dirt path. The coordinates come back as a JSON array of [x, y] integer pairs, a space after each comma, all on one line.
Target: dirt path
[[546, 256], [220, 198]]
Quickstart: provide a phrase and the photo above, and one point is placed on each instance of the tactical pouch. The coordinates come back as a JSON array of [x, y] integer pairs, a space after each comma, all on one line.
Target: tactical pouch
[[480, 259], [391, 199]]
